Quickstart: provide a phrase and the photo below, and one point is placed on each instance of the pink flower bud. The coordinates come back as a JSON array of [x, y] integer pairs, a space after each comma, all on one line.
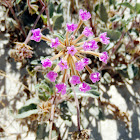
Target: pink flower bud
[[79, 65], [63, 64], [55, 42], [71, 27], [75, 80], [103, 57], [71, 50], [87, 31], [84, 15], [95, 77], [52, 76], [84, 87], [85, 61], [93, 45], [86, 46], [104, 39], [36, 35], [46, 62], [61, 88]]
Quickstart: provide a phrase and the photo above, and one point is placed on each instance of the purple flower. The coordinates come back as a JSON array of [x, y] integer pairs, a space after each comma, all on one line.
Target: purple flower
[[87, 31], [95, 77], [55, 42], [36, 35], [93, 44], [85, 61], [61, 88], [103, 57], [75, 80], [46, 62], [71, 50], [84, 87], [86, 46], [52, 76], [84, 15], [104, 39], [63, 64], [71, 27], [79, 65]]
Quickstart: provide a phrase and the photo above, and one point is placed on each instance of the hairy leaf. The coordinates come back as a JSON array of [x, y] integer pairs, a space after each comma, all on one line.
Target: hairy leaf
[[57, 21], [27, 114], [51, 9], [103, 13]]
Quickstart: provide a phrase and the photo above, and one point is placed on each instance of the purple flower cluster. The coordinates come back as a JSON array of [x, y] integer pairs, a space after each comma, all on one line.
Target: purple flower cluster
[[72, 58]]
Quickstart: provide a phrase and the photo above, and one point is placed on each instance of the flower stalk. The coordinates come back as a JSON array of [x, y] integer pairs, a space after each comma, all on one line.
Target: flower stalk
[[79, 25], [77, 39]]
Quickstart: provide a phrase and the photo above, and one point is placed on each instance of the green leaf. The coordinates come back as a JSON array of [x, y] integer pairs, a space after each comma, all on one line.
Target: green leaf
[[44, 18], [127, 4], [59, 9], [112, 34], [57, 21], [59, 36], [91, 93], [96, 8], [137, 8], [27, 114], [93, 87], [27, 108], [51, 9], [103, 13], [95, 93], [41, 131], [45, 86], [43, 96]]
